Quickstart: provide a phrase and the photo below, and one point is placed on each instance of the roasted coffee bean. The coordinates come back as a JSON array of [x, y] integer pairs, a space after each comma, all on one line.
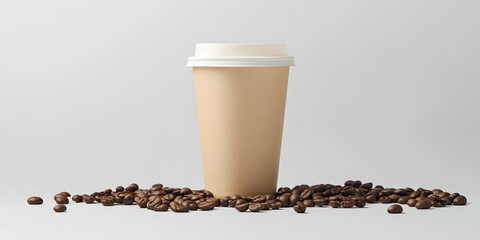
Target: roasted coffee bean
[[360, 203], [384, 199], [420, 198], [348, 191], [235, 197], [300, 208], [276, 205], [193, 206], [395, 208], [255, 207], [66, 194], [394, 198], [88, 199], [357, 184], [368, 185], [445, 200], [294, 198], [132, 188], [185, 191], [206, 206], [401, 192], [208, 193], [153, 201], [334, 204], [119, 189], [348, 204], [34, 200], [415, 194], [319, 202], [108, 191], [301, 188], [308, 203], [284, 200], [241, 201], [403, 200], [77, 198], [259, 199], [412, 202], [454, 195], [438, 204], [348, 183], [283, 190], [61, 199], [224, 201], [176, 207], [423, 204], [306, 194], [160, 208], [169, 197], [60, 208], [128, 200], [270, 196], [460, 200], [371, 198], [266, 206], [107, 202], [156, 187], [242, 207], [142, 202]]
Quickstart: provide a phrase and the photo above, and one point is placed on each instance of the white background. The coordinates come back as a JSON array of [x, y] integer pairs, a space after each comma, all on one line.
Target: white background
[[95, 94]]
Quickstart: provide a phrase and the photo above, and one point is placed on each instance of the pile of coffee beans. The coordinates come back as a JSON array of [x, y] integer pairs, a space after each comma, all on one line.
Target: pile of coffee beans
[[351, 194]]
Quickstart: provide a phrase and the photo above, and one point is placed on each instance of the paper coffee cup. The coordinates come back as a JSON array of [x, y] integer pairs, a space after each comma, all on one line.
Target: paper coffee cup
[[240, 91]]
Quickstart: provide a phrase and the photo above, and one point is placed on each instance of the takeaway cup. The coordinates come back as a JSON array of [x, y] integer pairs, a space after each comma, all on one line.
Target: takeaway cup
[[240, 92]]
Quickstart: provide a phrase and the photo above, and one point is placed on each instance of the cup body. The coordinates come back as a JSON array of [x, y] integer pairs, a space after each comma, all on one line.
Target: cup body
[[241, 113]]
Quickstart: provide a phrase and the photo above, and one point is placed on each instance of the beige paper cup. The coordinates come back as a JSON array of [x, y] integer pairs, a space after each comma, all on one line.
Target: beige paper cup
[[240, 91]]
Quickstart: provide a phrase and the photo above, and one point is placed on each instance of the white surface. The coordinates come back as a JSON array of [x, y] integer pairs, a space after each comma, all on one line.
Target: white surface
[[96, 93], [240, 55], [95, 221]]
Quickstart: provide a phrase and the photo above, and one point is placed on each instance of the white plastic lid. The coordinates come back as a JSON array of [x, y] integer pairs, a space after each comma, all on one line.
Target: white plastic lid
[[240, 55]]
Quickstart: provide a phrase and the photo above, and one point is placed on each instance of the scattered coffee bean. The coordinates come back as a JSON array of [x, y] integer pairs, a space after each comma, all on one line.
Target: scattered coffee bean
[[242, 207], [34, 200], [60, 208], [61, 199], [423, 204], [77, 198], [255, 207], [460, 200], [412, 202], [66, 194], [395, 208], [206, 206], [300, 208], [347, 204]]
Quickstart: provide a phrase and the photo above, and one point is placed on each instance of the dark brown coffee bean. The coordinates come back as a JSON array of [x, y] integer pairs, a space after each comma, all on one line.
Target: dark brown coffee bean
[[153, 201], [357, 184], [61, 199], [276, 205], [401, 192], [132, 188], [371, 198], [334, 204], [206, 206], [128, 200], [306, 194], [395, 208], [460, 200], [224, 201], [423, 204], [394, 198], [445, 200], [107, 202], [368, 185], [360, 203], [319, 202], [34, 200], [283, 190], [255, 207], [161, 208], [119, 189], [108, 191], [348, 204], [415, 194], [348, 183], [176, 207], [185, 191], [142, 202], [300, 208], [348, 191], [242, 207], [403, 199], [284, 200], [412, 202], [420, 198], [88, 199], [384, 199], [66, 194], [294, 198], [241, 201], [270, 196], [77, 198], [300, 188], [308, 203], [259, 199], [208, 194], [157, 187], [454, 195], [60, 208], [438, 204]]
